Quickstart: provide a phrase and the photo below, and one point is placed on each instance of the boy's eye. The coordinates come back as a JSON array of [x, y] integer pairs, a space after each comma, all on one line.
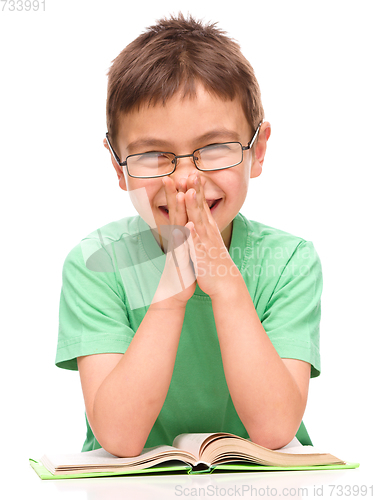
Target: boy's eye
[[150, 164], [153, 157], [223, 155], [216, 149]]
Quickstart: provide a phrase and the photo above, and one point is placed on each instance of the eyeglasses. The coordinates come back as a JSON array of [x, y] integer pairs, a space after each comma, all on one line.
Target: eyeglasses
[[207, 159]]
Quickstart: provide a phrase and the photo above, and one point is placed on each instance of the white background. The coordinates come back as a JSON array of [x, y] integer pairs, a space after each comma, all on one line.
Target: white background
[[314, 61]]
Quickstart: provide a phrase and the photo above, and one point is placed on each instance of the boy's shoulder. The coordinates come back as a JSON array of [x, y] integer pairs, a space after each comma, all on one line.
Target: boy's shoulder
[[261, 234], [116, 230], [105, 236], [257, 244]]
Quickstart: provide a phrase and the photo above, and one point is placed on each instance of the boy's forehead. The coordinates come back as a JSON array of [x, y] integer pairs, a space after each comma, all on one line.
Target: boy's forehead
[[205, 117]]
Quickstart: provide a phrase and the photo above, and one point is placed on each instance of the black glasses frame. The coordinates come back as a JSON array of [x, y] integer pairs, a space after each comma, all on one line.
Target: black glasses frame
[[176, 158]]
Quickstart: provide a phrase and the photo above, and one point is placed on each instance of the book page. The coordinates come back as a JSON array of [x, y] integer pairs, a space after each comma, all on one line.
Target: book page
[[294, 443], [191, 442], [296, 447], [102, 457]]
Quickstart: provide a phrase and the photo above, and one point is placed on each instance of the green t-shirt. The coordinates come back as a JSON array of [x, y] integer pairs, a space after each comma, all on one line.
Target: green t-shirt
[[110, 278]]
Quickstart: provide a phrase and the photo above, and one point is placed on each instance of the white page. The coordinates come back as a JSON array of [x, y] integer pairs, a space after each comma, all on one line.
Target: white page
[[296, 447], [191, 442], [102, 457]]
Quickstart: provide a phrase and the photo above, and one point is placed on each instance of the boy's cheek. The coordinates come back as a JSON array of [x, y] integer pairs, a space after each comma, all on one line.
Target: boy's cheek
[[140, 200]]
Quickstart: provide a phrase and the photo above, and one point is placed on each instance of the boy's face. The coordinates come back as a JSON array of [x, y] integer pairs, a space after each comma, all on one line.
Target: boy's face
[[182, 126]]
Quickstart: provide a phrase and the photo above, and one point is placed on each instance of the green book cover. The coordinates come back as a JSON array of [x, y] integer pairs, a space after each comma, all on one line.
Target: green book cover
[[180, 468], [197, 453]]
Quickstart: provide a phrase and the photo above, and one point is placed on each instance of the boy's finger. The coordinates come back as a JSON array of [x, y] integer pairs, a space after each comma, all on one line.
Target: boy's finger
[[181, 255], [196, 213], [175, 203], [180, 217], [191, 245], [197, 183], [170, 192]]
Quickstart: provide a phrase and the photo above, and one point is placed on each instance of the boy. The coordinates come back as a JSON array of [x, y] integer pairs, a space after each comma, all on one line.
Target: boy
[[213, 325]]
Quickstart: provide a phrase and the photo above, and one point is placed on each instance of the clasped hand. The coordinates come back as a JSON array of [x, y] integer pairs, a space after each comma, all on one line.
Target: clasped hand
[[201, 257]]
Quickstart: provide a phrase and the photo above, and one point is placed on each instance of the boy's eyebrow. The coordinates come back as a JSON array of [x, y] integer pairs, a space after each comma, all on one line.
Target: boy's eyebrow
[[212, 136]]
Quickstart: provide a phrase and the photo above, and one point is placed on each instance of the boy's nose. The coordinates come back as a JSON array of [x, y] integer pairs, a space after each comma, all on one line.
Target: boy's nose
[[184, 168]]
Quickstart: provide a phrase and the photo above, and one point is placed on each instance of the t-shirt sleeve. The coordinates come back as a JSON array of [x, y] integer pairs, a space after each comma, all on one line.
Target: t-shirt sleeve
[[292, 315], [93, 317]]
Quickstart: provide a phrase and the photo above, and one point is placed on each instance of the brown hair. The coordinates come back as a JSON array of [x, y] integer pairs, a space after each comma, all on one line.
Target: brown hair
[[172, 56]]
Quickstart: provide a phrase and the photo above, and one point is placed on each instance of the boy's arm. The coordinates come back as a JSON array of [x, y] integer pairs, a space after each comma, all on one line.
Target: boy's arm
[[124, 393], [269, 393]]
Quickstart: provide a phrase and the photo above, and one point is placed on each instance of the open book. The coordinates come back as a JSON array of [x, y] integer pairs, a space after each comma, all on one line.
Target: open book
[[195, 452]]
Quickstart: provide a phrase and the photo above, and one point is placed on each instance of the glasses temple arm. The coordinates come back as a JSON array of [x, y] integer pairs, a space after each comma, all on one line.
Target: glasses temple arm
[[112, 151], [254, 137]]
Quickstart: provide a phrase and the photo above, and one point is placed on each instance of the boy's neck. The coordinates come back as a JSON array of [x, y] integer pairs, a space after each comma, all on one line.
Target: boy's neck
[[227, 235]]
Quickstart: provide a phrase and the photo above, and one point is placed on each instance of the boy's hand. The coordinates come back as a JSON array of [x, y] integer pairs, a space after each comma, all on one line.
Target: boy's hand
[[178, 281], [204, 256], [215, 270]]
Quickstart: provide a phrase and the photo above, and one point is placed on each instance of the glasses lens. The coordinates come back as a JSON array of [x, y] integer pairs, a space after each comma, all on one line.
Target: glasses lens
[[217, 156], [151, 164]]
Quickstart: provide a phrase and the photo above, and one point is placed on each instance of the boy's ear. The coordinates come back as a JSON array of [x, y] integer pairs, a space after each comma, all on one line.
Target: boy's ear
[[117, 167], [260, 150]]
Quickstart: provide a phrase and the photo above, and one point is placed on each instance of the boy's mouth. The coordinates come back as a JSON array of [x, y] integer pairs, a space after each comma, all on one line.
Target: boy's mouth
[[212, 204]]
